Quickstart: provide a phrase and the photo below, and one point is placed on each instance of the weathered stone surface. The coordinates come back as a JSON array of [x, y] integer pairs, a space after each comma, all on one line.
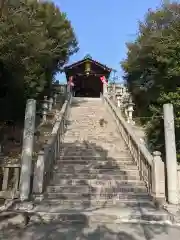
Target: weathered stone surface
[[96, 191], [84, 229], [95, 168]]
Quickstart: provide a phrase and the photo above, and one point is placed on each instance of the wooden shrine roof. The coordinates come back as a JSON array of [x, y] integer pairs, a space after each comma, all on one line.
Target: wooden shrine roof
[[83, 61]]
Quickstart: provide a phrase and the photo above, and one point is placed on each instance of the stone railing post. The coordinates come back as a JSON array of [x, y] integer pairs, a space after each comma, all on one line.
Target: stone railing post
[[114, 92], [27, 150], [130, 110], [68, 88], [158, 177], [50, 103], [45, 109], [118, 101], [105, 90], [171, 160], [38, 181], [55, 98], [126, 110]]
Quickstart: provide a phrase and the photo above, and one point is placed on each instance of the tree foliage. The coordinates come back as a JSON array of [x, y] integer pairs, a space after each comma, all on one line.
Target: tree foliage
[[152, 71], [36, 40]]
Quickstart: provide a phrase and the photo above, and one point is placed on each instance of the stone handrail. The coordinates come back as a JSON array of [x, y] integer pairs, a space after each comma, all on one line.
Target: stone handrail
[[151, 167], [47, 156]]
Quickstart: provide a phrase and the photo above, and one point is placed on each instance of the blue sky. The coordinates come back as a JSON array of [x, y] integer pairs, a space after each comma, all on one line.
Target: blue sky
[[104, 26]]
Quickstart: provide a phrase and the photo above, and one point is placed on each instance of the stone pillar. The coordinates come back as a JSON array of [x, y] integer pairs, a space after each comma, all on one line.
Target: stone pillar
[[55, 98], [158, 177], [50, 104], [114, 92], [171, 160], [38, 181], [27, 150], [104, 89], [68, 91], [126, 111], [118, 101], [68, 88], [45, 109], [130, 110]]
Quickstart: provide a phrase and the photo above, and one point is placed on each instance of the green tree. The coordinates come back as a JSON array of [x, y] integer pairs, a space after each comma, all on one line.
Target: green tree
[[152, 70], [37, 40]]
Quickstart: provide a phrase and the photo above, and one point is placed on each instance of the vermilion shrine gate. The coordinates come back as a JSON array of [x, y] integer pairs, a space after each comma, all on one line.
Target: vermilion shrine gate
[[87, 76]]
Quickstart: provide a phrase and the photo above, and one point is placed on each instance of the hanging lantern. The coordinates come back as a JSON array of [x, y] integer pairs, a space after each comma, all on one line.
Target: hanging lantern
[[87, 67]]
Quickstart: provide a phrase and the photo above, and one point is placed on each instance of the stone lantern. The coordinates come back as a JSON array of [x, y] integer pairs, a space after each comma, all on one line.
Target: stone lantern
[[50, 103], [121, 89], [130, 110], [125, 103], [45, 107], [55, 98], [119, 98]]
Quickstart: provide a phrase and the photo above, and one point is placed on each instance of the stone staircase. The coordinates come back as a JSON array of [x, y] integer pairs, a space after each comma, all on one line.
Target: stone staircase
[[95, 175]]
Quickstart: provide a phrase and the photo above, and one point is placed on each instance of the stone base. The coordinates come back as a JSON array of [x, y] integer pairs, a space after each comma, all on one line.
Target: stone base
[[10, 219], [174, 211]]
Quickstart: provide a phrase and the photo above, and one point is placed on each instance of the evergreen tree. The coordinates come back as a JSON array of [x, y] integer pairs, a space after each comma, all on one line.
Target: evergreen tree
[[36, 41], [152, 71]]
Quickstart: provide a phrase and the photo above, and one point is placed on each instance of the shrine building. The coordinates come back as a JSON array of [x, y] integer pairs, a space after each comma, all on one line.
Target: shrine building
[[86, 77]]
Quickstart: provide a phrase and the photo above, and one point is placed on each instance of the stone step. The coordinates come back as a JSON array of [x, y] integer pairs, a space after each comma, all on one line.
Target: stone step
[[84, 217], [77, 153], [88, 176], [89, 159], [56, 205], [92, 155], [79, 169], [95, 196], [123, 159], [79, 165], [95, 182], [98, 146], [95, 189]]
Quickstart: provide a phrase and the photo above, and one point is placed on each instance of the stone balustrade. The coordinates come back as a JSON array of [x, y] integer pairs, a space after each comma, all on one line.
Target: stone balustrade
[[16, 178], [151, 167], [125, 105], [48, 155]]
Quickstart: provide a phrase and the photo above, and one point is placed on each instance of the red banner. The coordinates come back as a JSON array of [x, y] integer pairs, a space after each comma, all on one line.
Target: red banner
[[103, 80]]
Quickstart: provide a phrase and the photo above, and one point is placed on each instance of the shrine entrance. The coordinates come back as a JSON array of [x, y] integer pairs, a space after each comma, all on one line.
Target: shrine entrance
[[85, 76], [87, 86]]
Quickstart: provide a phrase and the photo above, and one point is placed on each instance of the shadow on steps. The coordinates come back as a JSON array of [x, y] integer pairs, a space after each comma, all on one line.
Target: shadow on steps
[[85, 185], [86, 179], [84, 230]]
